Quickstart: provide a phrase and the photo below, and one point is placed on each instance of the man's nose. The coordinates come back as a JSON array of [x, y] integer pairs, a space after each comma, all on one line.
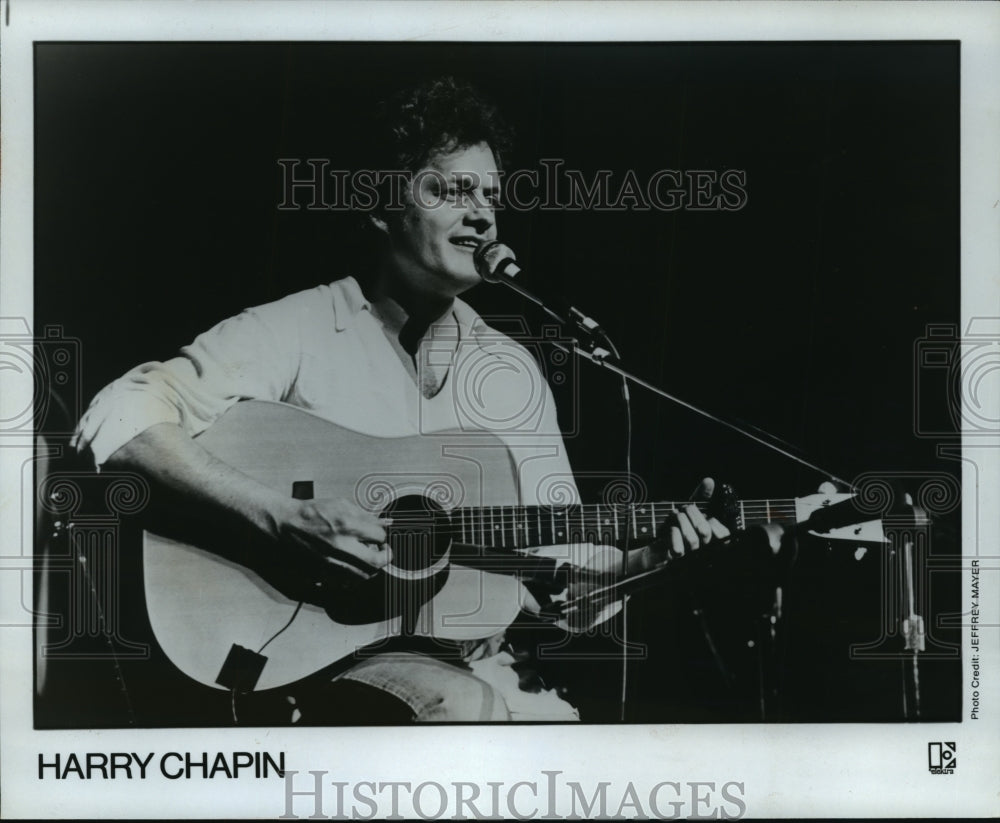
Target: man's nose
[[479, 214]]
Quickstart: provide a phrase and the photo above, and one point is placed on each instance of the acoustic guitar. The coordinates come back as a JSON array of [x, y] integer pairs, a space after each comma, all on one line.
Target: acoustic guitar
[[459, 538]]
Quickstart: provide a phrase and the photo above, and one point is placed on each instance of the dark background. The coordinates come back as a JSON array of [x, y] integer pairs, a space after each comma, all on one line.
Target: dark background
[[156, 215]]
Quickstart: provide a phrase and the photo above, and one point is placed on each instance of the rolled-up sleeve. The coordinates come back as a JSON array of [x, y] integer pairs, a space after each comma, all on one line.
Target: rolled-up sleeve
[[250, 356]]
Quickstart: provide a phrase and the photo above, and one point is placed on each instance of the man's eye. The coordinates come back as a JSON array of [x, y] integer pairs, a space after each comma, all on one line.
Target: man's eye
[[470, 194]]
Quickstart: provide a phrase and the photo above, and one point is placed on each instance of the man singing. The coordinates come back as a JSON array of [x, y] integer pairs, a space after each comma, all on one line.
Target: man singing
[[377, 353]]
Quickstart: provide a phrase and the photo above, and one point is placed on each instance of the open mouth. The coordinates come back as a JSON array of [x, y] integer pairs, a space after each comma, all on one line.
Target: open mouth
[[468, 243]]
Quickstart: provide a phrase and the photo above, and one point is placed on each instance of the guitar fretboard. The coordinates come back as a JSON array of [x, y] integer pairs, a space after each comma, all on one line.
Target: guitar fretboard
[[520, 527]]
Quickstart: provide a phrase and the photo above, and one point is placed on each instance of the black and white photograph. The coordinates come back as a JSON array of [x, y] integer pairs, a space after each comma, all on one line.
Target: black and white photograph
[[528, 393]]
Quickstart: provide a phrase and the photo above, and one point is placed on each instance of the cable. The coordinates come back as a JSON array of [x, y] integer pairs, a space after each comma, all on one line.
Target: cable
[[627, 399], [295, 614]]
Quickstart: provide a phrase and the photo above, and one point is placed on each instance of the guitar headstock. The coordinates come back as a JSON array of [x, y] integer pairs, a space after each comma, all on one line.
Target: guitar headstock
[[836, 516]]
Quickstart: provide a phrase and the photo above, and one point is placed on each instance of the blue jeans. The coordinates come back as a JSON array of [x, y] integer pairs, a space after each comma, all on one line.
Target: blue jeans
[[434, 690]]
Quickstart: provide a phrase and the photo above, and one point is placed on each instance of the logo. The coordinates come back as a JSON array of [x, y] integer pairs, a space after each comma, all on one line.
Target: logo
[[941, 758]]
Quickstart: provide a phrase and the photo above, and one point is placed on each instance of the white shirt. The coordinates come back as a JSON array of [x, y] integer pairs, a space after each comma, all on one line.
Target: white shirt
[[324, 350]]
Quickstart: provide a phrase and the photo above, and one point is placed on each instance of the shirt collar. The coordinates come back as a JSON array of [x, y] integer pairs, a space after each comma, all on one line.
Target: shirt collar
[[349, 301]]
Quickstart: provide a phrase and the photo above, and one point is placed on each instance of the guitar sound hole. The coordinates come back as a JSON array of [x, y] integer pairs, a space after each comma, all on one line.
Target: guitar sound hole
[[419, 538], [418, 535]]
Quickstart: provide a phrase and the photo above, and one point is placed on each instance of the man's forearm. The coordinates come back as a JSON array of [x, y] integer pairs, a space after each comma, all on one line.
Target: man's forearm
[[167, 455]]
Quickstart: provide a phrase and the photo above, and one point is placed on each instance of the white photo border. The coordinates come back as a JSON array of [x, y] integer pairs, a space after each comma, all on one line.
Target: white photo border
[[788, 770]]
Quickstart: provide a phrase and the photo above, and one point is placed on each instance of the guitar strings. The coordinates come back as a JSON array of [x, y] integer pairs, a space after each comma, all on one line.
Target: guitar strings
[[574, 519], [501, 511]]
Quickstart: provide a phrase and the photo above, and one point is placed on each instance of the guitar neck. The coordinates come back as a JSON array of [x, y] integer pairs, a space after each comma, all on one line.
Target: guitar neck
[[520, 527]]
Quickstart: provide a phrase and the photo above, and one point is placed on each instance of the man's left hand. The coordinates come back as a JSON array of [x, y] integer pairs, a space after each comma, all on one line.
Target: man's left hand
[[684, 530]]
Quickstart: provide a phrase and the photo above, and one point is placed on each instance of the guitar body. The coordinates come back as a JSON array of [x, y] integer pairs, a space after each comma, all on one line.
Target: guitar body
[[209, 589], [205, 595]]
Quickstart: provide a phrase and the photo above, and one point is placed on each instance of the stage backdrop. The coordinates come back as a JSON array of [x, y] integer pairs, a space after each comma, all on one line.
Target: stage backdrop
[[795, 300]]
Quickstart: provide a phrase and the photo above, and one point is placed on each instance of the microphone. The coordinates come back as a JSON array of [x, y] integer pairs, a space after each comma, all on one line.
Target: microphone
[[495, 264]]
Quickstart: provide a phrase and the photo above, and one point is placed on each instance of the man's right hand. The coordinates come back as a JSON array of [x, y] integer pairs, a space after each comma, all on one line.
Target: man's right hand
[[337, 533]]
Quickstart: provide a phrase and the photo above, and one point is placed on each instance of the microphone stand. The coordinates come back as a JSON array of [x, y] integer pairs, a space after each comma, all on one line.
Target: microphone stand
[[606, 358], [495, 264]]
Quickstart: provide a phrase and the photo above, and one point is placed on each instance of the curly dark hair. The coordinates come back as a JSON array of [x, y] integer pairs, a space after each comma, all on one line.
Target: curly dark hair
[[437, 116]]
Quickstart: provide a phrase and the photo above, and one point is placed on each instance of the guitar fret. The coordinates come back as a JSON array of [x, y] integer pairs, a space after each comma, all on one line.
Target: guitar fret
[[519, 527]]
